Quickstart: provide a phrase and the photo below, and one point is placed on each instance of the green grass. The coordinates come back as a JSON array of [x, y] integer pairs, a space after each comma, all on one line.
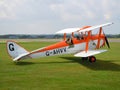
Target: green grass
[[60, 72]]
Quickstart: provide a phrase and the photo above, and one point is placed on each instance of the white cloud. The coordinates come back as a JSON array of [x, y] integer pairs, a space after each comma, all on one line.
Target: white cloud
[[8, 8], [57, 14], [85, 9], [67, 10]]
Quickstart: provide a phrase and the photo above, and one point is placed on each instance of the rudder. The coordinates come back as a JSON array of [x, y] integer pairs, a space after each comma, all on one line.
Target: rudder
[[15, 50]]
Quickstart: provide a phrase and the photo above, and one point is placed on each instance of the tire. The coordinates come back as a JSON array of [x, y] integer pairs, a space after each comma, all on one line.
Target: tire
[[92, 59]]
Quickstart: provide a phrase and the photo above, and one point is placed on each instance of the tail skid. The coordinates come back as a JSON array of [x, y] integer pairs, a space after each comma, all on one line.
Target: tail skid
[[16, 51]]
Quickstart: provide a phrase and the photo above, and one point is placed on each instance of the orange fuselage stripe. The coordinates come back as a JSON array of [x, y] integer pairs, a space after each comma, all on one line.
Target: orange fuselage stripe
[[64, 44]]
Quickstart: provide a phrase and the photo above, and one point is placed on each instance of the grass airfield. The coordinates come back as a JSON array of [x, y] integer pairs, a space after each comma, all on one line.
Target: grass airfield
[[60, 72]]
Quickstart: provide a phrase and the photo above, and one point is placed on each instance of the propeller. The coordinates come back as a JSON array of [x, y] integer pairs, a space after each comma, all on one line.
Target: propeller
[[106, 40]]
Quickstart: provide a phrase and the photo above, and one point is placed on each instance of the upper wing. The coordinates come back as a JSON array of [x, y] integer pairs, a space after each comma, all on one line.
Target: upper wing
[[94, 27], [89, 53], [70, 30]]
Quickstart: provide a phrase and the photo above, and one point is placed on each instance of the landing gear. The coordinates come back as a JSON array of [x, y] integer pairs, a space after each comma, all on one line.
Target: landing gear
[[90, 58], [84, 58]]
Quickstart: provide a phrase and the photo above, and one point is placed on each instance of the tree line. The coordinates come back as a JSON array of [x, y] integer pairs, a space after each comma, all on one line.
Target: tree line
[[48, 36]]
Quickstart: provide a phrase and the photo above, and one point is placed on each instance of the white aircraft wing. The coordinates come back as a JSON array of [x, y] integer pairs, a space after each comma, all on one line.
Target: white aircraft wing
[[70, 30], [89, 53], [95, 27]]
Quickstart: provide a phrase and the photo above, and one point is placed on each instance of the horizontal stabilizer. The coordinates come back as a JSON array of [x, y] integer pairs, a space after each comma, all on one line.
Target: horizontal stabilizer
[[89, 53], [22, 56]]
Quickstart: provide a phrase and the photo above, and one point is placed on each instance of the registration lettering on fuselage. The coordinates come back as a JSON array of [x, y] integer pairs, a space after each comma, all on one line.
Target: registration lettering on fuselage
[[56, 51]]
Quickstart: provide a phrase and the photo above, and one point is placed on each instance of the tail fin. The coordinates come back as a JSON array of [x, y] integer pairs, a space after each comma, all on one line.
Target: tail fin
[[16, 51]]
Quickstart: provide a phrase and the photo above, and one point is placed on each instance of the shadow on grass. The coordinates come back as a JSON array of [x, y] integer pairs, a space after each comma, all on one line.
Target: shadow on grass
[[98, 65], [23, 63]]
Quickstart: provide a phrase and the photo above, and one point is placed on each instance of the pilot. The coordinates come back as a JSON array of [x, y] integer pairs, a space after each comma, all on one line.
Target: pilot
[[80, 37], [69, 41]]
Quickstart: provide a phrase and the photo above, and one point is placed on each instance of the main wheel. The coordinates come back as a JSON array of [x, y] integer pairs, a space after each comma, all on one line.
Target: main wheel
[[92, 59]]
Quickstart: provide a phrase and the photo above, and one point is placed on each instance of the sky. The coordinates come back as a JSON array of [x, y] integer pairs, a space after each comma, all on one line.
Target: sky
[[50, 16]]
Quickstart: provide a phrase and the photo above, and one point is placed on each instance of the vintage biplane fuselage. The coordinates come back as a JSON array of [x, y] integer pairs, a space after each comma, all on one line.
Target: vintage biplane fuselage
[[81, 42]]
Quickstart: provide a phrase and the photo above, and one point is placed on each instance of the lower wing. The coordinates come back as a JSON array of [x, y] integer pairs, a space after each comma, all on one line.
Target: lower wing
[[89, 53]]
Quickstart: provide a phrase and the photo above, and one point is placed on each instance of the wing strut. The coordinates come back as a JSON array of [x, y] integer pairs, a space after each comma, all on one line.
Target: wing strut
[[64, 37], [99, 38], [87, 41]]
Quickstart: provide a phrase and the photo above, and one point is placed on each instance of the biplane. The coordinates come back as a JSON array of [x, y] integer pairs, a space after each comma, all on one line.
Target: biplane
[[81, 42]]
